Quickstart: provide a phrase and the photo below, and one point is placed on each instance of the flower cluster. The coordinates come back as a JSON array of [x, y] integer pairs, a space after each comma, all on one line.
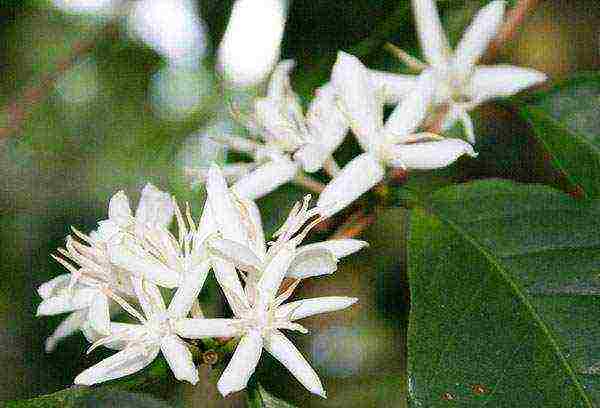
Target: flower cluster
[[286, 143], [123, 265]]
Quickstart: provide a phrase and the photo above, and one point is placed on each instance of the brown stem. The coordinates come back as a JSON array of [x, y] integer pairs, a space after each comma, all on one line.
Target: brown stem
[[21, 105], [513, 20]]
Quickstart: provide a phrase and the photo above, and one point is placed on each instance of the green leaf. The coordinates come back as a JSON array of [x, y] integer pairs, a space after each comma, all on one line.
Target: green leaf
[[258, 397], [565, 120], [502, 279]]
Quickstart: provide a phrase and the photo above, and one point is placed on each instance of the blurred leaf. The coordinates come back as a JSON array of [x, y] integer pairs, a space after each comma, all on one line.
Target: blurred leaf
[[258, 397], [500, 277], [565, 120]]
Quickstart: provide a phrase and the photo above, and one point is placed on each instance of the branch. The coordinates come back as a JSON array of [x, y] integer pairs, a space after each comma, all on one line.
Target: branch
[[21, 105]]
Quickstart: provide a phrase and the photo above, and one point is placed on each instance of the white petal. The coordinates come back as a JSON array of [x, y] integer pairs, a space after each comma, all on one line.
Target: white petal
[[478, 35], [155, 207], [242, 365], [240, 255], [67, 327], [119, 210], [283, 350], [205, 328], [495, 81], [394, 87], [99, 314], [312, 156], [121, 334], [179, 357], [407, 116], [107, 230], [429, 155], [128, 361], [137, 261], [359, 99], [265, 179], [338, 247], [228, 279], [76, 300], [309, 307], [149, 297], [358, 177], [256, 234], [223, 208], [274, 272], [47, 289], [432, 37], [312, 262], [188, 292], [468, 126]]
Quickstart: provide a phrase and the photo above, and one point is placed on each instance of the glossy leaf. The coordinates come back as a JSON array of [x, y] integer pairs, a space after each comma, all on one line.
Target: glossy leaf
[[504, 284], [565, 120]]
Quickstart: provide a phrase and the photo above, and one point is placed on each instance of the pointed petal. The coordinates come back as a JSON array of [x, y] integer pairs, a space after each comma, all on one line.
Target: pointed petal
[[481, 31], [358, 98], [67, 327], [287, 354], [128, 361], [265, 179], [149, 297], [155, 208], [394, 87], [468, 126], [432, 37], [121, 334], [206, 226], [223, 208], [188, 292], [338, 247], [137, 261], [407, 116], [242, 365], [206, 328], [228, 279], [309, 307], [359, 176], [99, 314], [119, 210], [256, 234], [429, 155], [240, 255], [312, 262], [47, 289], [274, 272], [496, 81], [179, 357], [78, 299]]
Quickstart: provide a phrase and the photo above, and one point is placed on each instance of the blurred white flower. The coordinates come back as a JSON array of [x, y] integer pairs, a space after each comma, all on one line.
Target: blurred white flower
[[394, 144], [251, 43], [141, 343], [459, 82], [98, 7]]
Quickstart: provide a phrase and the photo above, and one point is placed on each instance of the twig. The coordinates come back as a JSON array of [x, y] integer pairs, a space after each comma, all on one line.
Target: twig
[[21, 105], [514, 19], [356, 223]]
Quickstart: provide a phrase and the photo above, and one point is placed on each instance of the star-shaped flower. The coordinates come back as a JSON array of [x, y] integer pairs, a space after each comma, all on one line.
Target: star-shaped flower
[[88, 291], [139, 344], [461, 84], [394, 144]]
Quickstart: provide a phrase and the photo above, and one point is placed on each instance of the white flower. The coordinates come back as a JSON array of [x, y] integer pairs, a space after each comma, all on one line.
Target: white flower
[[155, 210], [139, 344], [307, 261], [394, 144], [258, 320], [285, 141], [87, 291], [459, 82]]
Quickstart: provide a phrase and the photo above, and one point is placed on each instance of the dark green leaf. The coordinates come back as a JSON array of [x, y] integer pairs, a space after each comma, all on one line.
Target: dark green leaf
[[258, 397], [565, 120], [502, 277]]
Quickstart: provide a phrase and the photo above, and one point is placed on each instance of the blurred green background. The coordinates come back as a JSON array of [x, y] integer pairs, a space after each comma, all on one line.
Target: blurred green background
[[129, 111]]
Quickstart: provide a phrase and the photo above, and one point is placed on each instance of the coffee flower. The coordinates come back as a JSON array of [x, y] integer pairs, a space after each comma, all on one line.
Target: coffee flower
[[393, 144], [461, 84]]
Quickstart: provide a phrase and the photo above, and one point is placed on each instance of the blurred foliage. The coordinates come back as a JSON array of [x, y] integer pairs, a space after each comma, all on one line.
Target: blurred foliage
[[99, 130]]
